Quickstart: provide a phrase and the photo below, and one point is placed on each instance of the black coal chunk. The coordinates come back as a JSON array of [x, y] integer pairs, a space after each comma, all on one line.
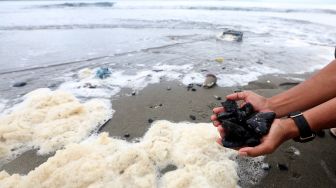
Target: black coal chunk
[[243, 126]]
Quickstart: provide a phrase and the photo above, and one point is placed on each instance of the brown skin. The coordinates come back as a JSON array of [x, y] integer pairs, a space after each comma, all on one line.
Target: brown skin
[[316, 97]]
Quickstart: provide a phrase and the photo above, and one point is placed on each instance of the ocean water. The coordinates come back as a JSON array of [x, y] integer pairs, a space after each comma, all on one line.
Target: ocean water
[[43, 33]]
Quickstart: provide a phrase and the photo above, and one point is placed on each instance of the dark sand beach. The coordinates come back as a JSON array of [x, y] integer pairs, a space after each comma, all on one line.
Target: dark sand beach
[[310, 165]]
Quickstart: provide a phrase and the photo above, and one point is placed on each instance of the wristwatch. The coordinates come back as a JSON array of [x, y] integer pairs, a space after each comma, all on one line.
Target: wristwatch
[[306, 134]]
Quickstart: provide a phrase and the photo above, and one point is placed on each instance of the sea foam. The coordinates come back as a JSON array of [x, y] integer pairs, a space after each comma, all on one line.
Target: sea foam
[[48, 120], [106, 162]]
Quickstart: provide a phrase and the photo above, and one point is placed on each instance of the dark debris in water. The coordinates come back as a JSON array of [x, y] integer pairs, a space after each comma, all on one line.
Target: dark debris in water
[[19, 84]]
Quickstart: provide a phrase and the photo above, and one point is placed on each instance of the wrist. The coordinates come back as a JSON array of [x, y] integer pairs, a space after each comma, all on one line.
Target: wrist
[[291, 130]]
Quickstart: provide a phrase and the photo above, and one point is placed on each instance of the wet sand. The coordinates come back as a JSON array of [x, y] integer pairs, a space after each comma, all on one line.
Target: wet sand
[[314, 167]]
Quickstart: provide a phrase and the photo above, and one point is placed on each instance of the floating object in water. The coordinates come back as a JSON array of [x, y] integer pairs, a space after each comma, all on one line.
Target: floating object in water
[[231, 35], [150, 120], [85, 73], [193, 89], [103, 72], [243, 126], [90, 85], [19, 84], [210, 81], [127, 135]]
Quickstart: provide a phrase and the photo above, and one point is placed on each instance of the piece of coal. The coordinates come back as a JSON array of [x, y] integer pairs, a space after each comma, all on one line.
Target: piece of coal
[[230, 106], [192, 117], [261, 122], [243, 126], [19, 84]]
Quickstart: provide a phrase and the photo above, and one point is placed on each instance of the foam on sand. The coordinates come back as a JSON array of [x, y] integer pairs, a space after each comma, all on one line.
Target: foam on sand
[[49, 120], [106, 162]]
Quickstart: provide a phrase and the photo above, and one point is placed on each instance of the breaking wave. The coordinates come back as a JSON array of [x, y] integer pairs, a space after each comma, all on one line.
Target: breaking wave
[[79, 5], [116, 5]]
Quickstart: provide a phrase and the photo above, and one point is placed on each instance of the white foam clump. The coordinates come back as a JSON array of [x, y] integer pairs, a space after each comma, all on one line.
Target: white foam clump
[[49, 120], [108, 162]]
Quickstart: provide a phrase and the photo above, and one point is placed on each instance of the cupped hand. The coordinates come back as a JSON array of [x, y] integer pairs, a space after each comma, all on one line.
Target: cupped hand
[[281, 130], [258, 102]]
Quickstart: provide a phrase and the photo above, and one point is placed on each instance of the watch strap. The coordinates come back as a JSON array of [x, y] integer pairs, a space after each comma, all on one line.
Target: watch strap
[[306, 133]]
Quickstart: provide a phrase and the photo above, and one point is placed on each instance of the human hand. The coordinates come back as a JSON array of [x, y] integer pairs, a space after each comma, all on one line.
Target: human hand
[[259, 103], [281, 130]]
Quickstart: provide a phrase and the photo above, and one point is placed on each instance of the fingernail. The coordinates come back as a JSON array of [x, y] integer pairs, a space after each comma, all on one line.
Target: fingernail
[[241, 153]]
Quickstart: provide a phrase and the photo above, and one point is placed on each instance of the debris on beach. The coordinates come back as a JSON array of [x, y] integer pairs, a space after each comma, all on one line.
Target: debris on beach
[[193, 89], [293, 151], [243, 126], [210, 81], [231, 35], [217, 97], [133, 93], [266, 166], [150, 120], [19, 84], [219, 59], [168, 88], [282, 167], [103, 72], [127, 135], [190, 86], [192, 117]]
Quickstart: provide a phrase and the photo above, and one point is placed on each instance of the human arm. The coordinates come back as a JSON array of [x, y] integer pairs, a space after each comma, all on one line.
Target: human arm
[[318, 118], [314, 91]]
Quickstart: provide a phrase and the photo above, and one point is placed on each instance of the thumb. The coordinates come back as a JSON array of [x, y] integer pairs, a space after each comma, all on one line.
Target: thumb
[[261, 149], [237, 96]]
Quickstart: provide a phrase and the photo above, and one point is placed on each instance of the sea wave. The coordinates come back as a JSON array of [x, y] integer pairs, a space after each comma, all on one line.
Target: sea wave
[[78, 5], [118, 5]]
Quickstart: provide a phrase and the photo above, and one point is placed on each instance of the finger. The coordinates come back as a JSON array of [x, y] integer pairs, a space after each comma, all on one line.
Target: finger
[[218, 110], [213, 117], [242, 104], [219, 141], [261, 149], [221, 131], [216, 123], [237, 96]]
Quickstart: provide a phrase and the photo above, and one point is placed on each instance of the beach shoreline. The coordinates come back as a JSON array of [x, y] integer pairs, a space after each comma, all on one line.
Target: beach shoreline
[[173, 101]]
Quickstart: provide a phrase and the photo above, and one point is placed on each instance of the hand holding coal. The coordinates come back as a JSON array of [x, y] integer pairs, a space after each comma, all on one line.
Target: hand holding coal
[[243, 126]]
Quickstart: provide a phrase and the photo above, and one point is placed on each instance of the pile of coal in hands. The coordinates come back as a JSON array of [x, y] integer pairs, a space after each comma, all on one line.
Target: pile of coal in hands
[[243, 126]]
